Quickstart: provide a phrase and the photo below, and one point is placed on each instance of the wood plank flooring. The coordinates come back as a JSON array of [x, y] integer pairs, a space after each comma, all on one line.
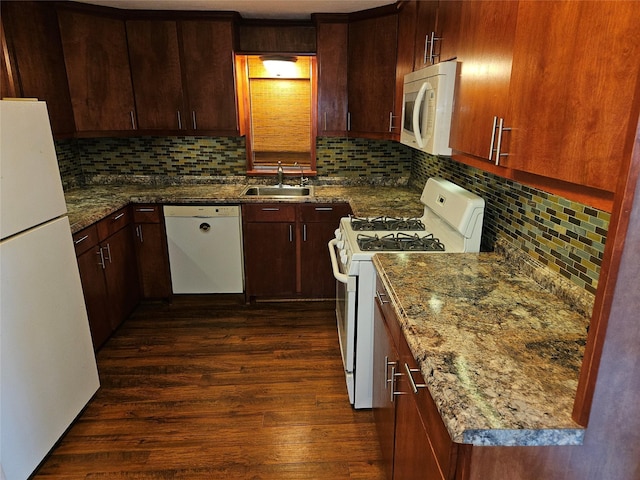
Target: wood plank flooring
[[209, 387]]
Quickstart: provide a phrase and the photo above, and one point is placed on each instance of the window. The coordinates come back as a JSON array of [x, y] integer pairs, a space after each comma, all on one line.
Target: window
[[278, 118]]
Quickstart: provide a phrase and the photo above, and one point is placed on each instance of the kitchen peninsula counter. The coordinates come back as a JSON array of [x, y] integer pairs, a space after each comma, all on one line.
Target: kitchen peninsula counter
[[500, 354], [88, 205]]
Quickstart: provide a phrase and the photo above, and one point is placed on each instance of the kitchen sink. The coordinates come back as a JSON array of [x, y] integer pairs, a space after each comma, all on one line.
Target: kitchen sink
[[276, 191]]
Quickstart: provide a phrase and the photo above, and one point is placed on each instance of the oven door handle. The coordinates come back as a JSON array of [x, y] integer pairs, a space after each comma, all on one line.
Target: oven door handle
[[341, 277]]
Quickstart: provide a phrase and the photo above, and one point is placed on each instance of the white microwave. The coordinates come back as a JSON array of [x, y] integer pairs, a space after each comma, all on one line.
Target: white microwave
[[427, 102]]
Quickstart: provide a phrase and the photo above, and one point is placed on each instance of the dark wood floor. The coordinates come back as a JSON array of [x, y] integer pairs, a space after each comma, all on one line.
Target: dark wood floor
[[205, 389]]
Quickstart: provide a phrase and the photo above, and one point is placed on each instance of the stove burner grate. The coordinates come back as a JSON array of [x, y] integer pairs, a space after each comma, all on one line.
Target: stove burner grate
[[400, 242], [386, 223]]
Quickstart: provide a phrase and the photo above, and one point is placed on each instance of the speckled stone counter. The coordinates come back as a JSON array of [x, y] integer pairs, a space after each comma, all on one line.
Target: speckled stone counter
[[88, 205], [500, 354]]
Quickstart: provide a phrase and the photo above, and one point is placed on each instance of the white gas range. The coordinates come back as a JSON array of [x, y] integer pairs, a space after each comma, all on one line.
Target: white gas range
[[451, 223]]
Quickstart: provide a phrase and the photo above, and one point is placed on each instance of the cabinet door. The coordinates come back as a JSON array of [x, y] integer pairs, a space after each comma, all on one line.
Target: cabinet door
[[97, 61], [487, 30], [332, 78], [318, 224], [207, 60], [156, 73], [385, 364], [447, 29], [569, 112], [33, 37], [270, 258], [426, 17], [372, 76], [153, 266], [94, 288], [121, 275]]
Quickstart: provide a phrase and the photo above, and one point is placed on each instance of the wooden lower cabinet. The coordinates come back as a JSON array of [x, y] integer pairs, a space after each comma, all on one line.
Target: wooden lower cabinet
[[285, 249], [151, 251], [413, 438], [108, 272]]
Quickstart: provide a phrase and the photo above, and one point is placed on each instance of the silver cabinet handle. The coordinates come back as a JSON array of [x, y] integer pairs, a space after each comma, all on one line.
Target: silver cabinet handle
[[101, 261], [304, 232], [426, 49], [193, 119], [270, 209], [493, 137], [143, 209], [179, 120], [139, 233], [380, 295], [348, 121], [501, 128], [432, 56], [80, 240], [414, 386], [117, 217], [391, 117], [324, 209], [108, 252], [133, 120], [291, 233], [325, 121]]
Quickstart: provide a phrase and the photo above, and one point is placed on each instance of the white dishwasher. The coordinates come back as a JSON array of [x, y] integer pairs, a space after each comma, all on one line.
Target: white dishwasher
[[205, 248]]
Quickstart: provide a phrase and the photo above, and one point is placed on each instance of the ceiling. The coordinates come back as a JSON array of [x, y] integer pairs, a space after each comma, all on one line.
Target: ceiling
[[271, 9]]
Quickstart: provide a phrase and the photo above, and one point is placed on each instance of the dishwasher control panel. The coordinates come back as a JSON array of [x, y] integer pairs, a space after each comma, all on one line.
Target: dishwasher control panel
[[201, 211]]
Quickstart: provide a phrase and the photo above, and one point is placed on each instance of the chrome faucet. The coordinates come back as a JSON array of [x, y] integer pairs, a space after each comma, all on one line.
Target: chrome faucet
[[303, 181], [280, 173]]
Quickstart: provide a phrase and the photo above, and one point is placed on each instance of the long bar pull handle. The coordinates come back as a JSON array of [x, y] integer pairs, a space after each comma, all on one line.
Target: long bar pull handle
[[348, 121], [304, 232], [493, 137], [324, 209], [390, 121], [291, 233], [139, 233], [101, 261], [179, 120], [133, 120], [325, 121], [501, 128], [270, 209], [80, 240], [380, 295], [414, 386], [392, 391], [143, 209], [109, 252], [432, 55], [193, 120], [117, 217], [426, 49]]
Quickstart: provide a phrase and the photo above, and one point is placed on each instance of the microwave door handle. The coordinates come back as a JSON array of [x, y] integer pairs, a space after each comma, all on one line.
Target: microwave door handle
[[416, 114]]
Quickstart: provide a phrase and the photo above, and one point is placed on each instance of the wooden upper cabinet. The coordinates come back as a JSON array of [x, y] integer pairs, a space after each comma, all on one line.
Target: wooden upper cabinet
[[447, 30], [156, 74], [487, 32], [332, 58], [425, 46], [570, 110], [97, 61], [208, 74], [33, 44], [372, 76]]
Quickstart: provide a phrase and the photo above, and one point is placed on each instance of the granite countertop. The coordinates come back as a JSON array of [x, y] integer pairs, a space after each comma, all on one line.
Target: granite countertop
[[88, 205], [500, 354]]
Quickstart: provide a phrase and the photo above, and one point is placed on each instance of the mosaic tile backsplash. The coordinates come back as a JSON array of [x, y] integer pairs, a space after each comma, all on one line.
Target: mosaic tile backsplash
[[566, 236]]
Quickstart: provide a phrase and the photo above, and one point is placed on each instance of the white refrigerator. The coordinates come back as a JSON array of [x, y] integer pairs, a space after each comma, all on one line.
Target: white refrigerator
[[48, 370]]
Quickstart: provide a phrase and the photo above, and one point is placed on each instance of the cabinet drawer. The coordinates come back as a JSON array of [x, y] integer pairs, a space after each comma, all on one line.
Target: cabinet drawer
[[114, 222], [269, 212], [322, 212], [85, 239], [147, 213]]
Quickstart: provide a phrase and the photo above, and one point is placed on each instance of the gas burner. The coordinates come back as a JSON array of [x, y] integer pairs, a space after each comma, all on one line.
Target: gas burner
[[399, 242], [386, 223]]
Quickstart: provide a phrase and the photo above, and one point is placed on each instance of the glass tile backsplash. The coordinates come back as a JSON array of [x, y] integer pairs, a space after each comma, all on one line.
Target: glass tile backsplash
[[566, 236]]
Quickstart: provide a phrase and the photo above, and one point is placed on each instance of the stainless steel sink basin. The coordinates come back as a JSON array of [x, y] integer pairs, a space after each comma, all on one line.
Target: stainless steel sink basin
[[275, 191]]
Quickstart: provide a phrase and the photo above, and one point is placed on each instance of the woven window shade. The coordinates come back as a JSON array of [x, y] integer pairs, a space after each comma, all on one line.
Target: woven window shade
[[281, 115]]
